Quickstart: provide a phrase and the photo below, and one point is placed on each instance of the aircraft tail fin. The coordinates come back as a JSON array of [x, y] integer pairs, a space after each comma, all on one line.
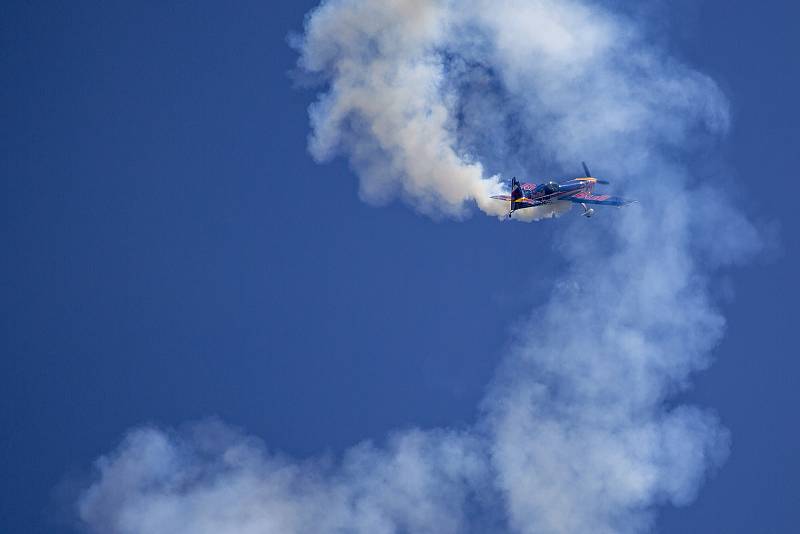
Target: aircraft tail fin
[[516, 194], [516, 189]]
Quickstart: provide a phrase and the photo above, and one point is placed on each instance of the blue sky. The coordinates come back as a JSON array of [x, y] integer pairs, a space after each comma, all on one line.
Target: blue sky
[[160, 266]]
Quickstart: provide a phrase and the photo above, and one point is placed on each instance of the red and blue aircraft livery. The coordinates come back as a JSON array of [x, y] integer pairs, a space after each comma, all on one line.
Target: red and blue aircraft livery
[[577, 190]]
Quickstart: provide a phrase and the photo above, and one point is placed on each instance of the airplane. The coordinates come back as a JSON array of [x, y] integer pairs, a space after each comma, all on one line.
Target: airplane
[[577, 190]]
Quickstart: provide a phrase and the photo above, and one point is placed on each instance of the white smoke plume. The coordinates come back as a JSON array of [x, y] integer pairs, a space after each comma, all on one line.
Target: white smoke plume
[[432, 101]]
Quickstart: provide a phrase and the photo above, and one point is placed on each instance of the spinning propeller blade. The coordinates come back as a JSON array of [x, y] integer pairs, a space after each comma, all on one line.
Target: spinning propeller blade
[[589, 174]]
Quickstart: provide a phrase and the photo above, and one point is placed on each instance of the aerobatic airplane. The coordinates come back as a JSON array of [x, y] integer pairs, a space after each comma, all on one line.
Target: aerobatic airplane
[[577, 190]]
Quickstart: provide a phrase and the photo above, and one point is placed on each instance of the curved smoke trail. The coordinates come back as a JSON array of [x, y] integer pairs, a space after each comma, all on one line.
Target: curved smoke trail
[[431, 101]]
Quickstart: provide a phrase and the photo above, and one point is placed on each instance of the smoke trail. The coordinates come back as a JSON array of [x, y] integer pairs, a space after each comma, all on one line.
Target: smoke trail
[[388, 105], [431, 101]]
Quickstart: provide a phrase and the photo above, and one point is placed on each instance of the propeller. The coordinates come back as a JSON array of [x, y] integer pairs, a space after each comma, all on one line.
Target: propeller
[[589, 174]]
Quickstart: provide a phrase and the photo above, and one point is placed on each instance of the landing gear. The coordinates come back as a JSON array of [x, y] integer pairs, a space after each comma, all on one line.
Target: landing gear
[[587, 212]]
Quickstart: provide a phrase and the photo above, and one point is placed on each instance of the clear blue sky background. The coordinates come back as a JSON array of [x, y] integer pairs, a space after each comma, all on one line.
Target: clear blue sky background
[[158, 267]]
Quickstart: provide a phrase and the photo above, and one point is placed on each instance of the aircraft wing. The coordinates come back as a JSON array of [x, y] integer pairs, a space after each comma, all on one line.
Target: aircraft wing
[[605, 200]]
